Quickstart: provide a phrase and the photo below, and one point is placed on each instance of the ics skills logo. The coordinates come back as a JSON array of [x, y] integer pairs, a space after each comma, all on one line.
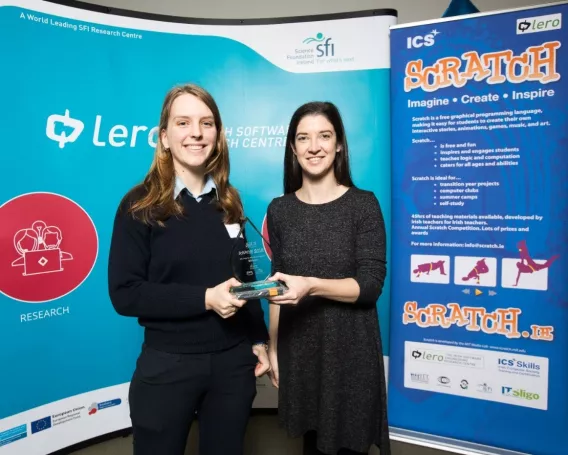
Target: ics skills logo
[[513, 363]]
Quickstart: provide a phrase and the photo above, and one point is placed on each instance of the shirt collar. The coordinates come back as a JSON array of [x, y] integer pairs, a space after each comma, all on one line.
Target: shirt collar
[[209, 186]]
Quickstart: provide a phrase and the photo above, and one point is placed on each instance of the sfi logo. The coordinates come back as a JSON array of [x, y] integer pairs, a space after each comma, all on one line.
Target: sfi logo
[[414, 42], [324, 45]]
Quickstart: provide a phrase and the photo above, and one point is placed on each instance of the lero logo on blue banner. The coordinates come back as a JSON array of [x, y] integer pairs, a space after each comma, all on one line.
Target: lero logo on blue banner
[[65, 129], [539, 24]]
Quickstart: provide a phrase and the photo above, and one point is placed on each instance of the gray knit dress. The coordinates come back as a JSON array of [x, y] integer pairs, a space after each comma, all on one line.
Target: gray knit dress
[[330, 353]]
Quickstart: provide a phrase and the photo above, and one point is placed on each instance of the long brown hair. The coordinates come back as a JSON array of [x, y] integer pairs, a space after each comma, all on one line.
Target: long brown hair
[[157, 201], [293, 177]]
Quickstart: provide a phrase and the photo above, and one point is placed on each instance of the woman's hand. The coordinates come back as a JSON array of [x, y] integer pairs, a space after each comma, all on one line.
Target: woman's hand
[[298, 288], [273, 373], [263, 365], [220, 300]]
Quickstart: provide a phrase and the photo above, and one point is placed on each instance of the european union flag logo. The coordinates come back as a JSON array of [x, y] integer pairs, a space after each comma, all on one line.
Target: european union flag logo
[[41, 424]]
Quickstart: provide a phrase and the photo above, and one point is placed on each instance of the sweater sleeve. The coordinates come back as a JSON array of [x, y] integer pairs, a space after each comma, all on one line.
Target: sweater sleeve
[[129, 289], [370, 251], [258, 332]]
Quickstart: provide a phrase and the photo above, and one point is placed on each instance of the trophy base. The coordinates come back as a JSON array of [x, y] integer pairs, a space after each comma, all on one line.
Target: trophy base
[[258, 290]]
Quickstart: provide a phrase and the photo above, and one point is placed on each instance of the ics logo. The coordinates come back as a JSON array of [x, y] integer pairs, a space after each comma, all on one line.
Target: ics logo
[[415, 42]]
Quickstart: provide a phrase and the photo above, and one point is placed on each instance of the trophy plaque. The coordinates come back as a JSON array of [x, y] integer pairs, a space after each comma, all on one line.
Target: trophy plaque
[[247, 261]]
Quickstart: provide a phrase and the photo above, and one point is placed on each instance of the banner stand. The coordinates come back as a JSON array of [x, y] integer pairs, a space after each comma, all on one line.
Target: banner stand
[[446, 444], [90, 131], [479, 320]]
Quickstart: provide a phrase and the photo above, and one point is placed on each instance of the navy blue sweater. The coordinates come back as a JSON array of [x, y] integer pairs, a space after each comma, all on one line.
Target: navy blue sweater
[[160, 275]]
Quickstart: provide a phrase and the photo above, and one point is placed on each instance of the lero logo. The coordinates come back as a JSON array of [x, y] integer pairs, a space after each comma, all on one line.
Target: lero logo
[[433, 356], [65, 129], [519, 364], [64, 122], [539, 24], [419, 41]]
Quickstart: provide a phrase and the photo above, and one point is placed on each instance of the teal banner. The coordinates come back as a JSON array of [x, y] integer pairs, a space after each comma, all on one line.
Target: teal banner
[[81, 95]]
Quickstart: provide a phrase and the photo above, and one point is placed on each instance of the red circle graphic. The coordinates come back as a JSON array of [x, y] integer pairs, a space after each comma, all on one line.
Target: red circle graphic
[[48, 247]]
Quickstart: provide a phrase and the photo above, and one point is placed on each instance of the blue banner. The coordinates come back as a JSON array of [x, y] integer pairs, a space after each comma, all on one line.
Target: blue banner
[[82, 93], [479, 310]]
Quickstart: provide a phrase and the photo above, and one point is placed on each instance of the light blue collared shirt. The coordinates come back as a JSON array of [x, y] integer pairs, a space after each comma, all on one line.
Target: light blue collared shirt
[[209, 186]]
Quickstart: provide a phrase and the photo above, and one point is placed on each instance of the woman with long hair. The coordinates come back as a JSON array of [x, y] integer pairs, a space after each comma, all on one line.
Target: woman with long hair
[[169, 267], [328, 243]]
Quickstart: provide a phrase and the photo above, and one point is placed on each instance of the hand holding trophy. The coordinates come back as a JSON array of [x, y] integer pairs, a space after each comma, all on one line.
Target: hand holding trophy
[[247, 256]]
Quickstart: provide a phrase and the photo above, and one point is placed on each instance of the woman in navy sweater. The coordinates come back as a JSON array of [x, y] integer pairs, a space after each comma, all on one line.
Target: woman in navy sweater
[[169, 267]]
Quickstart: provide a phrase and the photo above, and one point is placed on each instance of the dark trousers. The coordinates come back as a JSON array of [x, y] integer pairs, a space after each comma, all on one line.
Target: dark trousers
[[310, 446], [168, 389]]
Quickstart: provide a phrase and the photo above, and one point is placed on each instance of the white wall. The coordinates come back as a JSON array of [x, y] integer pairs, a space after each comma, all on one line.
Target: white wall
[[408, 10]]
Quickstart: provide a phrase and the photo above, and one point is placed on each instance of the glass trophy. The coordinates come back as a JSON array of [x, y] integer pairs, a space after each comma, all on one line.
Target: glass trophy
[[251, 265]]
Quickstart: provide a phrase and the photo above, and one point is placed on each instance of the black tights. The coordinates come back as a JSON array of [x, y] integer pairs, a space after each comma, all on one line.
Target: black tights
[[310, 446]]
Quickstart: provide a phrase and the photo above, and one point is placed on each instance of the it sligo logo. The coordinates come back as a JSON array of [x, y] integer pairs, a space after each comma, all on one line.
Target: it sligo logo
[[325, 46], [519, 393], [62, 123], [415, 42]]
